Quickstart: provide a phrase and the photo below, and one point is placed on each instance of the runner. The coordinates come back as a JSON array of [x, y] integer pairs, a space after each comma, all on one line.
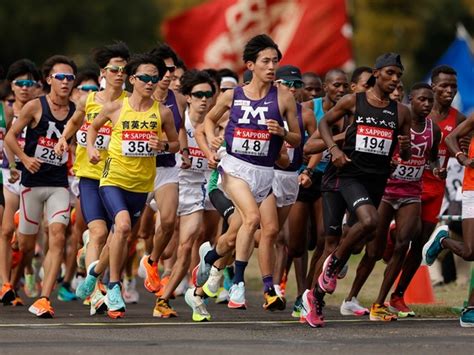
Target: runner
[[129, 172], [22, 76], [44, 181], [312, 85], [253, 137], [199, 89], [444, 84], [178, 74], [359, 79], [378, 123], [441, 240], [111, 60]]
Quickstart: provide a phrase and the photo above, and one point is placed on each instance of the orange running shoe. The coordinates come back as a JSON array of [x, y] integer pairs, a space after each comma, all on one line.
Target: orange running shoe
[[163, 283], [152, 279], [7, 294], [18, 302], [163, 309], [42, 308]]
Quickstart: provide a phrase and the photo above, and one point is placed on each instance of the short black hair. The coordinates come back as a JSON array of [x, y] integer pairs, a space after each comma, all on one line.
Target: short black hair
[[23, 67], [442, 69], [227, 72], [258, 44], [335, 71], [103, 55], [85, 75], [358, 72], [180, 64], [145, 58], [164, 51], [5, 89], [57, 59], [194, 77], [420, 85], [311, 74]]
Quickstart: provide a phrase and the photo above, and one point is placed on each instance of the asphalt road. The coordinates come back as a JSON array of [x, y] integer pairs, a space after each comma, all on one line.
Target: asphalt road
[[253, 331]]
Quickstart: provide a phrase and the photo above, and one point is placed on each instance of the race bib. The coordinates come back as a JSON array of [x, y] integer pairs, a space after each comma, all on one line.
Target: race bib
[[373, 140], [103, 137], [198, 159], [45, 152], [290, 150], [326, 158], [411, 170], [135, 144], [21, 142], [442, 153], [251, 142]]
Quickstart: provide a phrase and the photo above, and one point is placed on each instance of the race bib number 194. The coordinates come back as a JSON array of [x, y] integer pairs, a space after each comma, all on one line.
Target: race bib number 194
[[251, 142], [374, 140]]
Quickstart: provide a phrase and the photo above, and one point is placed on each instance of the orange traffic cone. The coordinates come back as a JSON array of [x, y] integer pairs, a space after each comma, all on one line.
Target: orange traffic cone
[[420, 290]]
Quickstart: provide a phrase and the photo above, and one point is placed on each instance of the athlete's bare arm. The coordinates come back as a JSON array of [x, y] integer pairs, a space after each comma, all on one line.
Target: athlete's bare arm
[[8, 123], [283, 160], [404, 138], [222, 105], [287, 102], [30, 115], [462, 130], [72, 126], [183, 137], [169, 128]]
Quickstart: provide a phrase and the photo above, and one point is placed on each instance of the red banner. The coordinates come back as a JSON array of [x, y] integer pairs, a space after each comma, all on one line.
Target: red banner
[[313, 35]]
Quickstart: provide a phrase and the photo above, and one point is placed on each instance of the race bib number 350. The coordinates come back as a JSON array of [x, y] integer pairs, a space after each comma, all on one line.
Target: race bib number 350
[[374, 140], [251, 142], [103, 138], [45, 152], [135, 144]]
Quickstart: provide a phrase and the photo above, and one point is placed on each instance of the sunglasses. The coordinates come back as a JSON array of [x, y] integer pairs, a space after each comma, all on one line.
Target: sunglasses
[[171, 68], [297, 84], [62, 76], [89, 87], [24, 83], [115, 68], [201, 94], [147, 78]]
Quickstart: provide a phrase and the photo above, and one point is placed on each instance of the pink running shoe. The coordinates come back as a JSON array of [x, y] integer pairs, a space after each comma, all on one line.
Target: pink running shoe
[[312, 311], [328, 278]]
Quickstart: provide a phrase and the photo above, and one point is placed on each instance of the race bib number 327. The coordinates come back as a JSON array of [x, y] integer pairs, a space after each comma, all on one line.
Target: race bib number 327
[[251, 142], [374, 140]]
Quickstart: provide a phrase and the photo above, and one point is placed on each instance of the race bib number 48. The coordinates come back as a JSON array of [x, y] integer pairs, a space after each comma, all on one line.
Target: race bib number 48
[[411, 170], [251, 142], [135, 144], [45, 152], [103, 137], [374, 140]]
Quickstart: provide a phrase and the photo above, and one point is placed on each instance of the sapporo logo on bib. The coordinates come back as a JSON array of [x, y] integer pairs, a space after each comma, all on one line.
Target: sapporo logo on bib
[[251, 142], [198, 159], [103, 137], [135, 144], [411, 170], [374, 140], [45, 152]]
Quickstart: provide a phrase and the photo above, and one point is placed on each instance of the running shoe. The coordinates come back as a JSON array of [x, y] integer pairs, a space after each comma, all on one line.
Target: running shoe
[[381, 313], [341, 274], [152, 279], [164, 281], [115, 304], [76, 281], [237, 296], [130, 293], [297, 307], [353, 308], [433, 247], [66, 295], [398, 306], [30, 287], [42, 308], [7, 294], [211, 286], [312, 310], [163, 309], [282, 285], [200, 313], [467, 317], [203, 269], [97, 302], [87, 287], [18, 302], [182, 287], [328, 278], [273, 301], [222, 296]]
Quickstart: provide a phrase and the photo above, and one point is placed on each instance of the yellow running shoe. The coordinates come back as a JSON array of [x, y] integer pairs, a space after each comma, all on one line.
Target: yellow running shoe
[[381, 313], [163, 309]]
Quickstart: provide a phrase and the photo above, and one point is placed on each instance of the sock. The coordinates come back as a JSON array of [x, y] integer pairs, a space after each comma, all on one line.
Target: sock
[[66, 285], [93, 273], [239, 271], [267, 282], [112, 284], [211, 257]]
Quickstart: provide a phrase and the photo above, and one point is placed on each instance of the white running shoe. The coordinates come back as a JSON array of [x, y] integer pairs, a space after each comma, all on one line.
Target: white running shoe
[[222, 296], [182, 287], [200, 313], [130, 293], [211, 286], [97, 302], [353, 308], [237, 296]]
